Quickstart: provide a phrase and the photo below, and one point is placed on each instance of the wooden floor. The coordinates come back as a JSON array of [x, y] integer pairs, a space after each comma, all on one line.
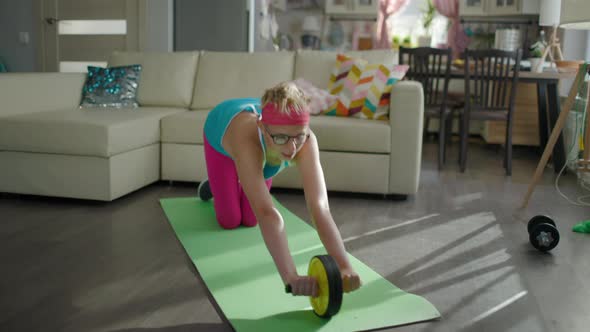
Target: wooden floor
[[461, 242]]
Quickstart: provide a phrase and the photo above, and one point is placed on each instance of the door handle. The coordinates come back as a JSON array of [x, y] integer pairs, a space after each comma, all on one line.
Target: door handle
[[51, 20]]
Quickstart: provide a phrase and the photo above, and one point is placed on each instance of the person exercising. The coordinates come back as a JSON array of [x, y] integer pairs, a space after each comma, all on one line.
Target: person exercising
[[247, 141]]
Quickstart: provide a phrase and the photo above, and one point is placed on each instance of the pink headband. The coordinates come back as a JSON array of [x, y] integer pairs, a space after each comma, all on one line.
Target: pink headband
[[273, 116]]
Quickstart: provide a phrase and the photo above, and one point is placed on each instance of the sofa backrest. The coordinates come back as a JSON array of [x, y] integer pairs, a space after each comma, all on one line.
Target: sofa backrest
[[316, 66], [224, 75], [34, 92], [167, 79]]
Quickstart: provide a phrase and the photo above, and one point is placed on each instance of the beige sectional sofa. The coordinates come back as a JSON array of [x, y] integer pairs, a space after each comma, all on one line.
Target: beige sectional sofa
[[49, 146]]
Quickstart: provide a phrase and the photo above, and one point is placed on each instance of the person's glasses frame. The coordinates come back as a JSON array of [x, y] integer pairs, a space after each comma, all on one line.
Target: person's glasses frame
[[282, 139]]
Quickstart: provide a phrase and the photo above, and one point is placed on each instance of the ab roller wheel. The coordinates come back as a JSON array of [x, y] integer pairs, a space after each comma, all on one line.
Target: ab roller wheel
[[543, 233], [324, 269]]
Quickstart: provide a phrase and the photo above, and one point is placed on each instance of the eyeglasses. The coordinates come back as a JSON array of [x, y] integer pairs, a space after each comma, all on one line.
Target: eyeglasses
[[282, 139]]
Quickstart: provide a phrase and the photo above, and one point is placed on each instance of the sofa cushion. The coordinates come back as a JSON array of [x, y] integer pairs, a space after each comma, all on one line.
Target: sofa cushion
[[34, 92], [351, 134], [167, 79], [224, 75], [316, 66], [184, 128], [88, 132], [334, 133]]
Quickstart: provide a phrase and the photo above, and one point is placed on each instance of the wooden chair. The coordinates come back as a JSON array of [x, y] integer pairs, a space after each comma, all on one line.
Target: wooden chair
[[432, 68], [491, 77]]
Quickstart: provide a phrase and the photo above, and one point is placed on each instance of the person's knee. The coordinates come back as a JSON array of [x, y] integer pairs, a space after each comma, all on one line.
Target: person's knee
[[248, 216], [229, 219], [229, 223], [250, 222]]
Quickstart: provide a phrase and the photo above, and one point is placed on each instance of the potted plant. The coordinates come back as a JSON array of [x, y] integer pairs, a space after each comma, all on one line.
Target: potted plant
[[428, 14], [407, 42], [536, 56], [395, 42]]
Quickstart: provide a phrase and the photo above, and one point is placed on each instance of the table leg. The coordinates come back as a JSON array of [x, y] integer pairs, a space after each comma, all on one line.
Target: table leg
[[542, 112], [554, 110]]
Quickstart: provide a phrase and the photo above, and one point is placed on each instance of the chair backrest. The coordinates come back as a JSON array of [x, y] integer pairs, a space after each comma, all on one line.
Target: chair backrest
[[431, 67], [491, 77]]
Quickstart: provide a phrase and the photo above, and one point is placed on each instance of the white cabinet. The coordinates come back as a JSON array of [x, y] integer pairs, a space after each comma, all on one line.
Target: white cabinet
[[472, 7], [352, 8], [278, 5], [502, 7], [498, 7]]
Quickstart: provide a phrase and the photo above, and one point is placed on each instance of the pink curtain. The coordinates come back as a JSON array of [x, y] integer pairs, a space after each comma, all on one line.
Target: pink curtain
[[386, 9], [456, 38]]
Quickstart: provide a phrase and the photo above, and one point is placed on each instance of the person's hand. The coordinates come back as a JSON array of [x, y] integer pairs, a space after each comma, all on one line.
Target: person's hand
[[304, 285], [350, 280]]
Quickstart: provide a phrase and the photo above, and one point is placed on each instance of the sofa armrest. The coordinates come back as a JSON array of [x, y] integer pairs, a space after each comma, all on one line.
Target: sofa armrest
[[406, 118], [34, 92]]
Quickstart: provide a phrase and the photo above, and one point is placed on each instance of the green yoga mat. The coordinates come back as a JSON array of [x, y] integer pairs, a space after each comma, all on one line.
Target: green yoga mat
[[241, 276]]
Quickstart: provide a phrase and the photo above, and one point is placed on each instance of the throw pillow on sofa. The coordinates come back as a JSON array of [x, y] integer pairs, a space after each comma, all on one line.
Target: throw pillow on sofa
[[339, 77], [396, 74], [320, 100], [111, 87], [365, 92]]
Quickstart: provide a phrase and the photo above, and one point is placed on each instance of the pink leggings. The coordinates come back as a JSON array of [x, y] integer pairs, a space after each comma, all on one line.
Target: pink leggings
[[231, 204]]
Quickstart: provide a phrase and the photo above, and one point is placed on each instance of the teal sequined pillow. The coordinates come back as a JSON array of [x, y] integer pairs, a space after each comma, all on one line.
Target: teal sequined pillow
[[111, 87]]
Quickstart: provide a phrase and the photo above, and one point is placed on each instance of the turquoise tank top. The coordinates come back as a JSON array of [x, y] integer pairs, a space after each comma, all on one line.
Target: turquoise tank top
[[219, 119]]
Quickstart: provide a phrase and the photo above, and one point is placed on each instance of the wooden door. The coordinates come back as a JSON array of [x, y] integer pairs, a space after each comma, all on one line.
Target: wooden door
[[77, 33]]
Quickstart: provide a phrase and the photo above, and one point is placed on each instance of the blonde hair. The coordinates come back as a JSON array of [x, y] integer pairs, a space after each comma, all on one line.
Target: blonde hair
[[286, 94]]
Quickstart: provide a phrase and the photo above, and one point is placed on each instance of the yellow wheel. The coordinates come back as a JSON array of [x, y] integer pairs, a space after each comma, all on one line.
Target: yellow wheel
[[325, 270]]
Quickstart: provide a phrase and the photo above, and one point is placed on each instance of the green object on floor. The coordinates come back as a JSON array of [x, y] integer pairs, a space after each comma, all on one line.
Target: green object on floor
[[241, 276], [583, 227], [3, 68]]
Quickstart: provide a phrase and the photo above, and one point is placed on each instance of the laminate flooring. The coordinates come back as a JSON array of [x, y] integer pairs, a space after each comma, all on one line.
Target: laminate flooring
[[461, 242]]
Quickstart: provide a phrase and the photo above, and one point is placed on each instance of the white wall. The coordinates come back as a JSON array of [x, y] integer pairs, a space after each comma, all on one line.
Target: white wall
[[17, 16], [575, 46]]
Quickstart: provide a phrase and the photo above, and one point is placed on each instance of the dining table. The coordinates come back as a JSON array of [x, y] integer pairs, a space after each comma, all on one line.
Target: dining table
[[548, 101]]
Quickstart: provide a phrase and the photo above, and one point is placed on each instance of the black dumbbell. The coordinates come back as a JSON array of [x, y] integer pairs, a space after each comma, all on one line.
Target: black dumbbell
[[543, 233]]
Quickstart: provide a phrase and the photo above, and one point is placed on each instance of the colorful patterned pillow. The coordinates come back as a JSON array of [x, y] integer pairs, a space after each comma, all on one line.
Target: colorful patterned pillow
[[339, 77], [365, 92], [320, 100], [396, 74], [111, 87]]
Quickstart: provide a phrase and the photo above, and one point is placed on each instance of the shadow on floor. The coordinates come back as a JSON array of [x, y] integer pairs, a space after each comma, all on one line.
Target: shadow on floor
[[210, 327]]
